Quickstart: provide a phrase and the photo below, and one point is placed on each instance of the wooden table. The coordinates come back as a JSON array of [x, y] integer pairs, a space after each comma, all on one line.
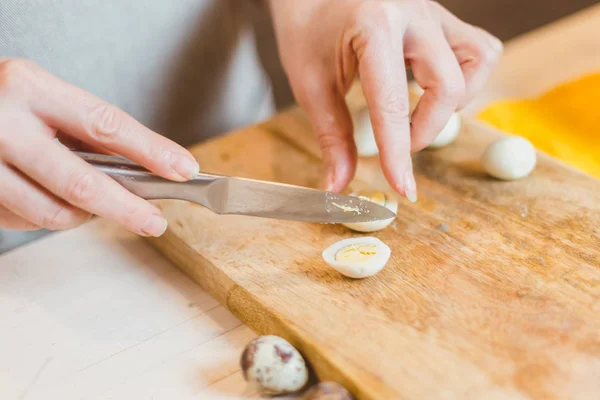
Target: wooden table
[[97, 313]]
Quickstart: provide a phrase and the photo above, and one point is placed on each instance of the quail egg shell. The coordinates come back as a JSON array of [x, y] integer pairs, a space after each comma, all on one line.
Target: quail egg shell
[[273, 366]]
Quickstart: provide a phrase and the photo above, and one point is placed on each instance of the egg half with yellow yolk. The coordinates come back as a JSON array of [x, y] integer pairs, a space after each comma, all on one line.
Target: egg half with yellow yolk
[[359, 257], [378, 197]]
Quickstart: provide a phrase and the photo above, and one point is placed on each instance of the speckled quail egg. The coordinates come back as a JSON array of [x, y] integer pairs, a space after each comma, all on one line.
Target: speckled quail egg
[[273, 366], [381, 198], [509, 158], [359, 257]]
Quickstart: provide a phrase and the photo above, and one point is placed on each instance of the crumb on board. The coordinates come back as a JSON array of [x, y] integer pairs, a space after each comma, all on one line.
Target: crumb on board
[[443, 227]]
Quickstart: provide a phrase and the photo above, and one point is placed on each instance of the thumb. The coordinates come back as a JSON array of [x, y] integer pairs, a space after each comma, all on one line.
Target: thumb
[[328, 112]]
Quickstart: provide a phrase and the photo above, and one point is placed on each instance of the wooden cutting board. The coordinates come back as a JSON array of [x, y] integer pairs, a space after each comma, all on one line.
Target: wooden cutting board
[[492, 290]]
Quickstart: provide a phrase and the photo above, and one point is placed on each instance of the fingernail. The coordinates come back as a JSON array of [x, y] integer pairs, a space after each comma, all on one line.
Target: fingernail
[[155, 226], [410, 186], [184, 165]]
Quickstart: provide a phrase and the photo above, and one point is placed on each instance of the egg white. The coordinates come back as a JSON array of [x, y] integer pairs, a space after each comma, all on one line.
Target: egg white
[[353, 270], [391, 204], [509, 158]]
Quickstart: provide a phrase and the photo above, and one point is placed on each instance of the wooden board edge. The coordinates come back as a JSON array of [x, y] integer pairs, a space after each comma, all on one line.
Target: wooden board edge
[[255, 313], [263, 321], [208, 277]]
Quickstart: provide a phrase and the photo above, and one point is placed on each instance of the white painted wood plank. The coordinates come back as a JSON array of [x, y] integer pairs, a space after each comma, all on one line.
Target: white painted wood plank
[[234, 386], [159, 363], [73, 299], [186, 375]]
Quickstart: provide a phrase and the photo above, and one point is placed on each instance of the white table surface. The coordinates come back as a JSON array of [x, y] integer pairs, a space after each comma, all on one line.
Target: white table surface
[[96, 313]]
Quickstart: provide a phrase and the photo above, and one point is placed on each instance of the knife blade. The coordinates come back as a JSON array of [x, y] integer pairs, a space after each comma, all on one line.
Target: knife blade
[[281, 201], [240, 196]]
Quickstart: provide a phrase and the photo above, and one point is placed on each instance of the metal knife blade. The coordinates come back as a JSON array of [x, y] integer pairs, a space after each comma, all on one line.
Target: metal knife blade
[[232, 195], [281, 201]]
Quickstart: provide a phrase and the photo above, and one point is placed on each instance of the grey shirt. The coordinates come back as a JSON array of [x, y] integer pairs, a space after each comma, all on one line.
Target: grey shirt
[[188, 69]]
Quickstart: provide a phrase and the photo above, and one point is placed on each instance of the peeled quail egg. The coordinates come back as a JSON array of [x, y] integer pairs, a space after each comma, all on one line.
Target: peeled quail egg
[[357, 257], [509, 158], [364, 137], [273, 366], [452, 128], [448, 133], [380, 198], [328, 391]]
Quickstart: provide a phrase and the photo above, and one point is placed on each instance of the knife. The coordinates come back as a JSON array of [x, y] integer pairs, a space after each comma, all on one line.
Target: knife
[[240, 196]]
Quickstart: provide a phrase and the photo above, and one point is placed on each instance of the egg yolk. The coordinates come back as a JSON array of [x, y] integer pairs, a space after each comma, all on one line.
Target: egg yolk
[[376, 197], [356, 253]]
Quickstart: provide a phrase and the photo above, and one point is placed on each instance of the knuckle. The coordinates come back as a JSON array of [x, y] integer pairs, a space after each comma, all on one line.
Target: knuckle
[[330, 137], [394, 104], [135, 216], [132, 217], [373, 15], [16, 73], [451, 90], [20, 225], [105, 123], [57, 219], [157, 153], [490, 50], [488, 55], [28, 226], [82, 190]]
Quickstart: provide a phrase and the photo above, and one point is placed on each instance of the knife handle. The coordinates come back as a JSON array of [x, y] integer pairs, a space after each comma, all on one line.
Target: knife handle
[[147, 185]]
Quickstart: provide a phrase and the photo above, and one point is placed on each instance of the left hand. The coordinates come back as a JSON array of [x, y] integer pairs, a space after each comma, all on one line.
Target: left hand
[[324, 44]]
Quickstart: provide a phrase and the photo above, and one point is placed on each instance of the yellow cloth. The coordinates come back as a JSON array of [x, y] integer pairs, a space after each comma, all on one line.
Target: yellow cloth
[[564, 122]]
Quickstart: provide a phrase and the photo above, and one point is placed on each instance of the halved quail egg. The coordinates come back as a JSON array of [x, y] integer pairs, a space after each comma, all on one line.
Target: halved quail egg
[[378, 197], [357, 257]]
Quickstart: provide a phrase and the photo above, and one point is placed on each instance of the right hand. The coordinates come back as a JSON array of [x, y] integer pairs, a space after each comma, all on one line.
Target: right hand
[[44, 185], [324, 46]]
